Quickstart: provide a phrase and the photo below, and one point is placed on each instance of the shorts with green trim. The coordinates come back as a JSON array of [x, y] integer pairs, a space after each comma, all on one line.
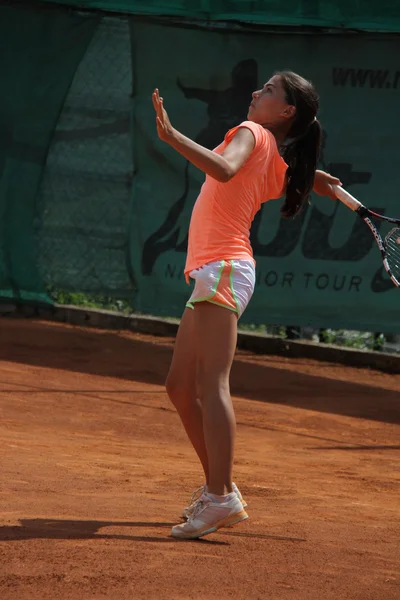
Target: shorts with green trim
[[228, 283]]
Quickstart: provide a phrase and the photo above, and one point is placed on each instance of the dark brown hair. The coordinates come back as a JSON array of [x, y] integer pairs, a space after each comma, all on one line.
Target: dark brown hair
[[302, 145]]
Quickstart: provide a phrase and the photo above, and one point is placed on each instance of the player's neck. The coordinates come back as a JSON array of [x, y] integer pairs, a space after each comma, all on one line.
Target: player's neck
[[279, 133]]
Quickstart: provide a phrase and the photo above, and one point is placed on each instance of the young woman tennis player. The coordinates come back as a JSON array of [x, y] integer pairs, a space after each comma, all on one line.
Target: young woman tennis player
[[272, 154]]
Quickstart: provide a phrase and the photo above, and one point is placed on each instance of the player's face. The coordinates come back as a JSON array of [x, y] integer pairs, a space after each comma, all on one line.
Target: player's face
[[269, 105]]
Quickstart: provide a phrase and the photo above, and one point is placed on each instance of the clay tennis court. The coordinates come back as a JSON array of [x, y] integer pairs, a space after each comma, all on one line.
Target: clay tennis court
[[95, 469]]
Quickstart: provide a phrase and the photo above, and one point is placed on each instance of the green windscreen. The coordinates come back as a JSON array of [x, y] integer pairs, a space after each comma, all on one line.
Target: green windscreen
[[92, 202], [375, 15], [39, 54]]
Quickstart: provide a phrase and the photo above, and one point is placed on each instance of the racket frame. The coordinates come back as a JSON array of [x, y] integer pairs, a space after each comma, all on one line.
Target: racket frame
[[364, 213]]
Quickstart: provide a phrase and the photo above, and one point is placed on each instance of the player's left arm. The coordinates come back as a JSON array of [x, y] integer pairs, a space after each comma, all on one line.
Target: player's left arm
[[221, 167]]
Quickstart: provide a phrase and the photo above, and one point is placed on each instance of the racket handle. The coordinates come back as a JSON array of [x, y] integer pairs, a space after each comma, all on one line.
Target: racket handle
[[346, 198]]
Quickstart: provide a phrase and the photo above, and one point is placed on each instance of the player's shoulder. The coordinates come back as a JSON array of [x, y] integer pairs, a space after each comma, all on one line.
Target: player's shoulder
[[251, 125], [263, 139], [261, 133]]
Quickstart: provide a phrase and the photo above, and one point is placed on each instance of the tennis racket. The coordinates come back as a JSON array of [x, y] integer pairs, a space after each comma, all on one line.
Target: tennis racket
[[390, 245]]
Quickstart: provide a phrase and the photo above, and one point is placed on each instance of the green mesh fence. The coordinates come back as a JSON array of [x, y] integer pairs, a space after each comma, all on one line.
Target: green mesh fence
[[84, 198], [39, 55]]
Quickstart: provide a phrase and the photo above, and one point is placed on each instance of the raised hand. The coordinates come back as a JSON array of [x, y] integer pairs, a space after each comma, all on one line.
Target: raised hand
[[164, 128]]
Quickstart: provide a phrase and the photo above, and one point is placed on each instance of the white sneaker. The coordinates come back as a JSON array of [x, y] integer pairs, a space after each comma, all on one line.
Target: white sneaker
[[196, 497], [209, 516], [239, 495]]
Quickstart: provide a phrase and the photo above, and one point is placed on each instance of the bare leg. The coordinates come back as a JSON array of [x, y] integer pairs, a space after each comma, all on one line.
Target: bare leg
[[216, 336], [182, 386]]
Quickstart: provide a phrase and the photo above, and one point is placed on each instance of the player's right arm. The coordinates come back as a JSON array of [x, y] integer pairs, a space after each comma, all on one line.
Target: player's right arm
[[323, 183]]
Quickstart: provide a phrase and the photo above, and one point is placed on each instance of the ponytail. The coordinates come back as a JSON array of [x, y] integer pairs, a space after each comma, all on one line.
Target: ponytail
[[301, 155]]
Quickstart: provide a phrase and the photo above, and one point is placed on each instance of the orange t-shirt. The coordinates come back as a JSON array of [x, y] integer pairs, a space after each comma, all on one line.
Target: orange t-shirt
[[223, 212]]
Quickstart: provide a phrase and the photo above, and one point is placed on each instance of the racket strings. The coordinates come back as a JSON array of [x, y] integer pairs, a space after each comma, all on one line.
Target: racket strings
[[392, 243]]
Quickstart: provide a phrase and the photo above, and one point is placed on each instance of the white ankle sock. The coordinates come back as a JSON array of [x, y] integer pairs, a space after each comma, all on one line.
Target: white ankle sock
[[220, 499]]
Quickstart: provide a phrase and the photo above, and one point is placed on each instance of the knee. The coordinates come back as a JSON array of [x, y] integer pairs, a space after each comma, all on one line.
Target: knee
[[215, 388], [177, 390], [181, 391], [171, 386]]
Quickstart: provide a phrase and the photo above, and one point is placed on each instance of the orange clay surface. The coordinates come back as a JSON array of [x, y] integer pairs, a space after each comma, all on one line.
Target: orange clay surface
[[95, 469]]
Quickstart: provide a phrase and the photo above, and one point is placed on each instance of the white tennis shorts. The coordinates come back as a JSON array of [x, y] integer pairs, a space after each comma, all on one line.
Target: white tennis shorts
[[228, 283]]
